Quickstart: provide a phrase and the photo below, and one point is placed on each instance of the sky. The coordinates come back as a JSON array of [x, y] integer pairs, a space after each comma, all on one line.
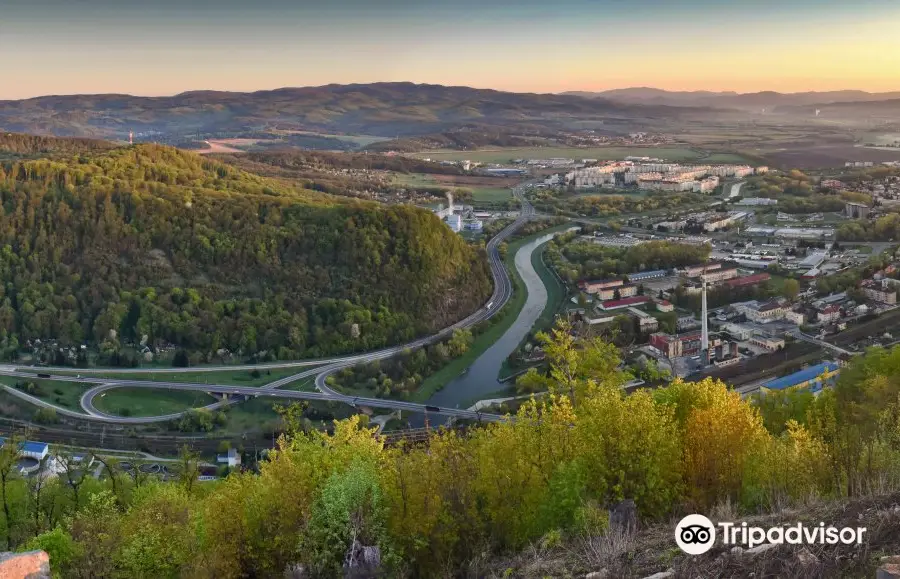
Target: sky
[[163, 47]]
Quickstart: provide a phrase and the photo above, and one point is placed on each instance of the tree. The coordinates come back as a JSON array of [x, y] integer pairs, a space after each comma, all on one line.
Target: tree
[[9, 459], [791, 289]]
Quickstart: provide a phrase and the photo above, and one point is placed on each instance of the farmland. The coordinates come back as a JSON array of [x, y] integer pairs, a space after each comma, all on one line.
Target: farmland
[[601, 153]]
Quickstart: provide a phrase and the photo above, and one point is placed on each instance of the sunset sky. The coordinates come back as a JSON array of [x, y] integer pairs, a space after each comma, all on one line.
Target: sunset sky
[[162, 47]]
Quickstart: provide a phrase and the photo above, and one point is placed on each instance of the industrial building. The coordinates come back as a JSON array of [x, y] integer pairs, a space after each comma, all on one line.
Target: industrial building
[[645, 275], [814, 377], [678, 345], [455, 222]]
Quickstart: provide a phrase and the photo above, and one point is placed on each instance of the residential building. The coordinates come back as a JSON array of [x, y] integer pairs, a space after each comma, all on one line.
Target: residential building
[[719, 275], [856, 210], [880, 291], [594, 286], [646, 322], [829, 314], [664, 306], [794, 317], [617, 293], [763, 313], [696, 270]]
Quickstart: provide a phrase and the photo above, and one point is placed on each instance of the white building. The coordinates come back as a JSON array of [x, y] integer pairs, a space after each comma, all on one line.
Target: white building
[[231, 458], [455, 222]]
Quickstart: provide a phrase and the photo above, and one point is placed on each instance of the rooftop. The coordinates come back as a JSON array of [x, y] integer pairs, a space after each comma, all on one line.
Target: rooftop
[[624, 302], [800, 377]]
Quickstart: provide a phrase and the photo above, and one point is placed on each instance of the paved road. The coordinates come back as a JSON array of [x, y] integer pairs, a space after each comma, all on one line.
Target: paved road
[[501, 294]]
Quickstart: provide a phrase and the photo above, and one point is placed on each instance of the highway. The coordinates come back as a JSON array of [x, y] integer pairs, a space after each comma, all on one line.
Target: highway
[[324, 367]]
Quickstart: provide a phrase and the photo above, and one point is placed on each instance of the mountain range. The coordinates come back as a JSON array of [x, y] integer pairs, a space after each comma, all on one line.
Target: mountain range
[[733, 100], [381, 109]]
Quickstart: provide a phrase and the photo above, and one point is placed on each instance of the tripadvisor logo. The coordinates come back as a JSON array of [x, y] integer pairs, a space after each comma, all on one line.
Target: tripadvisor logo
[[695, 535]]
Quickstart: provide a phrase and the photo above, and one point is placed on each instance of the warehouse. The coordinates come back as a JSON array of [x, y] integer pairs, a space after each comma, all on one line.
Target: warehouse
[[814, 377]]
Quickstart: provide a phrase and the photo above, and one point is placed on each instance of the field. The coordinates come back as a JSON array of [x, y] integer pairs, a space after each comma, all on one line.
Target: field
[[484, 189], [149, 402], [601, 153], [58, 392], [229, 377]]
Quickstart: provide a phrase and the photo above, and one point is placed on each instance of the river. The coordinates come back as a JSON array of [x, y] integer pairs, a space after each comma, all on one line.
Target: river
[[481, 379]]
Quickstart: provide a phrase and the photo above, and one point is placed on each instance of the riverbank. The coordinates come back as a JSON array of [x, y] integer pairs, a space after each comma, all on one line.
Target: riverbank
[[481, 378]]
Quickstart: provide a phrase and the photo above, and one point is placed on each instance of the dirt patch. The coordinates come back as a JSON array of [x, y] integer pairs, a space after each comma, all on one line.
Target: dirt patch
[[475, 181], [813, 157]]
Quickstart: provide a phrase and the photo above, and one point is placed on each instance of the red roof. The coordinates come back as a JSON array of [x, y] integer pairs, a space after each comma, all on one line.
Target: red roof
[[831, 310], [632, 301], [748, 280], [664, 303]]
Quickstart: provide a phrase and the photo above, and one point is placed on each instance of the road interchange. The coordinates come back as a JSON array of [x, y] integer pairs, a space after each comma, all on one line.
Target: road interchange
[[322, 367]]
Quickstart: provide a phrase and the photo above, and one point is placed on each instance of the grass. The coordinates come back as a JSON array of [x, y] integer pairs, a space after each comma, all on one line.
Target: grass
[[725, 158], [600, 153], [863, 249], [149, 402], [502, 322], [490, 194], [229, 377], [479, 194], [60, 393]]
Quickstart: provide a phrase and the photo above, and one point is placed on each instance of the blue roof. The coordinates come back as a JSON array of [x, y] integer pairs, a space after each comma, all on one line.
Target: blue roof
[[38, 447], [800, 377]]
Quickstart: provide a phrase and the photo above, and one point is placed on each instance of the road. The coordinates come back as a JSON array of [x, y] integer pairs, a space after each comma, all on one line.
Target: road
[[324, 367]]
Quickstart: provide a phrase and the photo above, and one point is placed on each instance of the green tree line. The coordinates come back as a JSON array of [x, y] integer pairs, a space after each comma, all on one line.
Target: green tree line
[[437, 509]]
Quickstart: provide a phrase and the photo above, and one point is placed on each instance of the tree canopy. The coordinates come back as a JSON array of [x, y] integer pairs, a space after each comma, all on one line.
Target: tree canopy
[[150, 241]]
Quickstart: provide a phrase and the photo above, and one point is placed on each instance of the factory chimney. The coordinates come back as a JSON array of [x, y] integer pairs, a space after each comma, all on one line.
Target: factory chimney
[[704, 337]]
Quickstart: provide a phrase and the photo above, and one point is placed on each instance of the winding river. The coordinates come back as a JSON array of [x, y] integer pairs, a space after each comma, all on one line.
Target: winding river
[[481, 379]]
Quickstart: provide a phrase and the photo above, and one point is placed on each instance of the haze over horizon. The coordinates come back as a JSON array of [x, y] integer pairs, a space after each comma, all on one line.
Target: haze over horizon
[[172, 46]]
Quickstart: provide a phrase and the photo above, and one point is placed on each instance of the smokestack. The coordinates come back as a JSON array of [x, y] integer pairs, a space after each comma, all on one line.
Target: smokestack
[[450, 201], [704, 337]]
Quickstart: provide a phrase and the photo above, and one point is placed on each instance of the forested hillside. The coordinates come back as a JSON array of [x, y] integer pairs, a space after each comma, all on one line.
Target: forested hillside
[[18, 145], [147, 240]]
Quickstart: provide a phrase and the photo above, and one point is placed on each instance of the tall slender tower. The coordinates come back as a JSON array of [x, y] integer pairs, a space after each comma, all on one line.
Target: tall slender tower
[[704, 336], [130, 137]]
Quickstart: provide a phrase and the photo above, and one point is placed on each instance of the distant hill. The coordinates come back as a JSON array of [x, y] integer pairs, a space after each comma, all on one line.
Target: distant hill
[[380, 109], [757, 100]]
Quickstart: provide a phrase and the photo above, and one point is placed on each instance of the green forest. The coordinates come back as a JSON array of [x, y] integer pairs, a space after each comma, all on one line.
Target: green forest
[[575, 259], [108, 247], [450, 506]]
